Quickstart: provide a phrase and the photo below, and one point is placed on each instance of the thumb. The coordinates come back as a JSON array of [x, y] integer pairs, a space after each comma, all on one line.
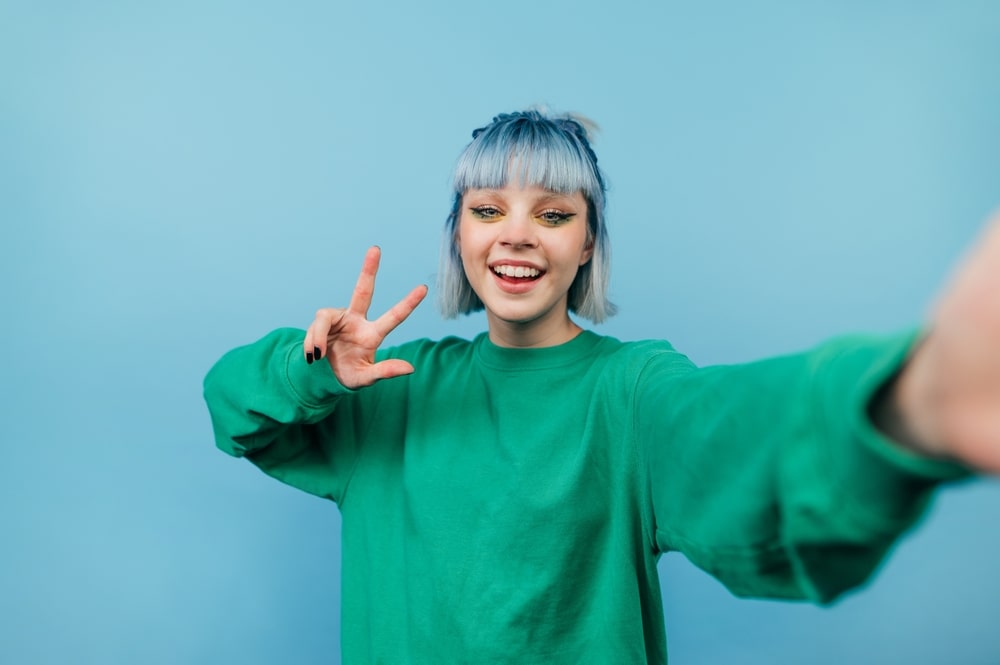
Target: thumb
[[389, 369]]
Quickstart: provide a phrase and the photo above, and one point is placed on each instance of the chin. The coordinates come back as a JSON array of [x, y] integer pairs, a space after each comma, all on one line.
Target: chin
[[519, 317], [523, 315]]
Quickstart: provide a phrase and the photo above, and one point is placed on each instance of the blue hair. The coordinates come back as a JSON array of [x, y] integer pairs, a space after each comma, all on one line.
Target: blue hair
[[532, 149]]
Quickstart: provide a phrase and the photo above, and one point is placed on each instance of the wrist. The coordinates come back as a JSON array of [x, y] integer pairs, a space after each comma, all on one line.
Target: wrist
[[902, 409]]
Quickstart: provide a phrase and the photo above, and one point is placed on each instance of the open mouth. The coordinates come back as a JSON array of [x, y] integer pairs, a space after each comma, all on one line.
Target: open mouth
[[516, 274]]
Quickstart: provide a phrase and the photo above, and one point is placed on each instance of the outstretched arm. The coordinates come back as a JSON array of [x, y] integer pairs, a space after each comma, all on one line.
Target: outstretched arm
[[770, 476], [794, 476]]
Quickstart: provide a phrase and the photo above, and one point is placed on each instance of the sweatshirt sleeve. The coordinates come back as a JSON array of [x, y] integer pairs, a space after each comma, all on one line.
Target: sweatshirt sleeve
[[771, 476], [268, 405]]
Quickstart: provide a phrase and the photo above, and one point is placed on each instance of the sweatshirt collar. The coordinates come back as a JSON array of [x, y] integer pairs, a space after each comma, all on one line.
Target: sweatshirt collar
[[512, 359]]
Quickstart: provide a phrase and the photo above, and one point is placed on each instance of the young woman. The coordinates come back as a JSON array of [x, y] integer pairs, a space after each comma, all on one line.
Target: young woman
[[506, 499]]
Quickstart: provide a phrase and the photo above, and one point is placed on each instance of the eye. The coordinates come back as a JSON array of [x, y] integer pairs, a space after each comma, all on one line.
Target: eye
[[485, 212], [555, 217]]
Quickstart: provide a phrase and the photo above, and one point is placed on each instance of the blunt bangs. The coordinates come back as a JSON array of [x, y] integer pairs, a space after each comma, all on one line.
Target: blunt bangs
[[532, 149]]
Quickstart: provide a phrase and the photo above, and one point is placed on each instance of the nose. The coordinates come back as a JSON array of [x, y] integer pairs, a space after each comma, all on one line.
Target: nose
[[518, 231]]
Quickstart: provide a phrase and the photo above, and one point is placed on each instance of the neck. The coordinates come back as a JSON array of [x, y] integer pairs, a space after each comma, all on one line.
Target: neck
[[532, 334]]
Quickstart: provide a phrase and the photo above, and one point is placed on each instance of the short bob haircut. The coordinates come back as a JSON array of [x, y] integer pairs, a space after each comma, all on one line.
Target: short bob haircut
[[552, 152]]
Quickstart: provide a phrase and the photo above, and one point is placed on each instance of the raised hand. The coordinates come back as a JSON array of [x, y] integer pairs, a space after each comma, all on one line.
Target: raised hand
[[948, 395], [348, 340]]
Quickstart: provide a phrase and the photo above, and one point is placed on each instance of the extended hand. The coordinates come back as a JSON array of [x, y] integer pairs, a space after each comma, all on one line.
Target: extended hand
[[948, 395], [348, 340]]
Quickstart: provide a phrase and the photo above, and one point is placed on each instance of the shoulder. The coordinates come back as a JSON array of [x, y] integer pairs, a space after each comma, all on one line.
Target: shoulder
[[632, 363], [640, 352]]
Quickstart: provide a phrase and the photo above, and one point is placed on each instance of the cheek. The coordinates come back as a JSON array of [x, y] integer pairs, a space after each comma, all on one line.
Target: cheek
[[465, 244], [470, 239]]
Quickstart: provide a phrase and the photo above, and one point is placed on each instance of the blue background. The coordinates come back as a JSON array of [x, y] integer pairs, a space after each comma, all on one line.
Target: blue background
[[179, 178]]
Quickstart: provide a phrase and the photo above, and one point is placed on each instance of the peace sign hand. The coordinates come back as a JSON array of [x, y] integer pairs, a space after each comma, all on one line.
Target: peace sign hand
[[348, 340]]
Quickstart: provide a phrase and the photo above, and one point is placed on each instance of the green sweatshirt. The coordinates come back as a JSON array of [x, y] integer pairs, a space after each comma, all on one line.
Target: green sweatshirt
[[510, 505]]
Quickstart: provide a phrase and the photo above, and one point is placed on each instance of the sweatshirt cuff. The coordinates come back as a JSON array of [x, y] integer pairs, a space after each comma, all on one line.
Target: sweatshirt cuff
[[880, 471], [314, 385]]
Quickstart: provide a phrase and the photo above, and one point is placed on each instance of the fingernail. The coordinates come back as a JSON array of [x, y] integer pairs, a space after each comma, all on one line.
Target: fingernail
[[317, 353], [309, 358]]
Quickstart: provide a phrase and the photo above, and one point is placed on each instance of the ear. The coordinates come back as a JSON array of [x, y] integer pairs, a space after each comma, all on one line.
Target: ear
[[588, 252]]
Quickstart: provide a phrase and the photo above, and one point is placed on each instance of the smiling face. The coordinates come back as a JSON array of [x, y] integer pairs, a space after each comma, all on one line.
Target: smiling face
[[521, 248]]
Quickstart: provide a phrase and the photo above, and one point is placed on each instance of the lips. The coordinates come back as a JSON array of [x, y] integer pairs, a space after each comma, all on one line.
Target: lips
[[515, 277]]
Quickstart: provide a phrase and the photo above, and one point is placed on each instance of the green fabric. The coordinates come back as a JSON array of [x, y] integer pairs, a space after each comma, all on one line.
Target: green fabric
[[510, 505]]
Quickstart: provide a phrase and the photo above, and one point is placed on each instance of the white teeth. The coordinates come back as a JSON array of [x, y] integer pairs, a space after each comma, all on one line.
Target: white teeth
[[516, 271]]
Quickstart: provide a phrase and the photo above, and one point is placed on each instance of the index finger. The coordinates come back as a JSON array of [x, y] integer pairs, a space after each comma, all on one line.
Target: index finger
[[361, 299], [386, 323]]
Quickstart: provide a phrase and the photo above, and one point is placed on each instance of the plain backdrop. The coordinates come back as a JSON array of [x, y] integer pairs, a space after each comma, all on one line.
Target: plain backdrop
[[178, 178]]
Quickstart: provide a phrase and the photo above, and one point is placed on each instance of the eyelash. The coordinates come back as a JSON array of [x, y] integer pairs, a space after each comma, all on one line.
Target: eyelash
[[549, 217], [485, 212], [557, 217]]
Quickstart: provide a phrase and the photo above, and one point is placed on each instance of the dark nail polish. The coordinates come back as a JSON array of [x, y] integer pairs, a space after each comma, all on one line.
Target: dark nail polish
[[309, 358], [317, 353]]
